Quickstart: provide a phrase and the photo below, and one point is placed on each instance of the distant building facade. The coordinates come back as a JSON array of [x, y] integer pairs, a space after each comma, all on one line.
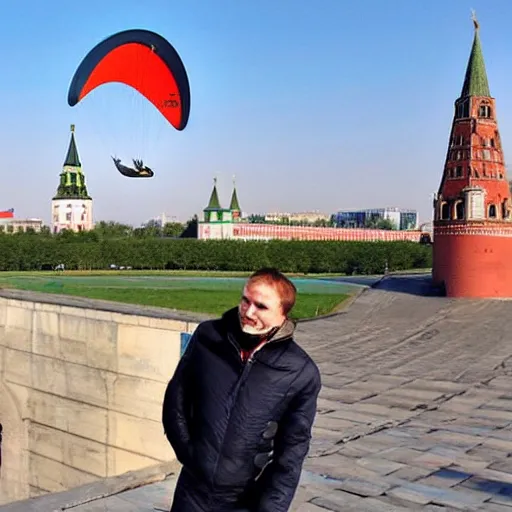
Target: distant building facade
[[227, 223], [401, 219], [72, 205], [298, 217], [9, 224]]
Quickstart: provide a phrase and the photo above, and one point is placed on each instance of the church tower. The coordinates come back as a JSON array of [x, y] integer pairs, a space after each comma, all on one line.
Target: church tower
[[472, 219], [72, 205], [217, 221]]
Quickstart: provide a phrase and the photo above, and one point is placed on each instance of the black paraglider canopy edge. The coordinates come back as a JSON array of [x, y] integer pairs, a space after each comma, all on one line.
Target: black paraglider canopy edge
[[150, 39]]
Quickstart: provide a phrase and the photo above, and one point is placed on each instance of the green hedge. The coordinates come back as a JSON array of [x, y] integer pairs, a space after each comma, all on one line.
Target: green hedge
[[36, 252]]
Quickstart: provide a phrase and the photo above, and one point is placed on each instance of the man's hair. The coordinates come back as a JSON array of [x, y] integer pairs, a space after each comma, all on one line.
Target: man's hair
[[284, 287]]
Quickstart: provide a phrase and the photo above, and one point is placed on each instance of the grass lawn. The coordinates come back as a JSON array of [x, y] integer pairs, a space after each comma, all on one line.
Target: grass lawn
[[170, 273], [212, 296]]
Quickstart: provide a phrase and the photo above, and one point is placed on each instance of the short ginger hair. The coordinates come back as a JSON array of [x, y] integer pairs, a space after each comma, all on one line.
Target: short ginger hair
[[284, 287]]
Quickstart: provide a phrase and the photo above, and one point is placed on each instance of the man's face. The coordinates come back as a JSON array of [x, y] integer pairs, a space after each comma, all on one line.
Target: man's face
[[260, 308]]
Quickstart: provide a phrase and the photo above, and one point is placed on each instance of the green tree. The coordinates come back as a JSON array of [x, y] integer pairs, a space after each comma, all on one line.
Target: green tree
[[191, 228], [111, 229], [385, 224], [173, 229]]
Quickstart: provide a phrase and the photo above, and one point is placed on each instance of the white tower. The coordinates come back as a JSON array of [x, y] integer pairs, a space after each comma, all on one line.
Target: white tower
[[72, 205]]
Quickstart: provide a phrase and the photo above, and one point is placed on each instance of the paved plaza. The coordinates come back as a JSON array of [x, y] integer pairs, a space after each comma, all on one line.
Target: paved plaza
[[415, 411]]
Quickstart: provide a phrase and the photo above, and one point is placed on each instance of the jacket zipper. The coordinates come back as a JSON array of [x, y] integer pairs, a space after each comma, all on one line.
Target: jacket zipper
[[243, 377]]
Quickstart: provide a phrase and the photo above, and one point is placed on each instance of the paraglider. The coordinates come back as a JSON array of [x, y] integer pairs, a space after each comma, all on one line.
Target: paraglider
[[148, 63], [140, 170]]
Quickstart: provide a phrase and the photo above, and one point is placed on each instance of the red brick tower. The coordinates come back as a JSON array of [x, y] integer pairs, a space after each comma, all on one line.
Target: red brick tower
[[472, 220]]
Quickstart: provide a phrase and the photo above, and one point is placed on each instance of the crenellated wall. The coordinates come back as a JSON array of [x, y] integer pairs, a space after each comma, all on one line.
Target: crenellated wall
[[81, 389]]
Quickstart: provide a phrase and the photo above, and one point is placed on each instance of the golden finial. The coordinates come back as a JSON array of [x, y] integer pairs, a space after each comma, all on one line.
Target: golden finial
[[215, 181], [234, 180], [72, 128], [475, 21]]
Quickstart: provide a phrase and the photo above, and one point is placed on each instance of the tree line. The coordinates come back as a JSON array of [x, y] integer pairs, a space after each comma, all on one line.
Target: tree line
[[90, 251]]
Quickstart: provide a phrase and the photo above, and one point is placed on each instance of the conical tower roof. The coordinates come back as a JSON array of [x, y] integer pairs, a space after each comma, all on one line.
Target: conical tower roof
[[234, 205], [475, 81], [72, 158], [213, 203]]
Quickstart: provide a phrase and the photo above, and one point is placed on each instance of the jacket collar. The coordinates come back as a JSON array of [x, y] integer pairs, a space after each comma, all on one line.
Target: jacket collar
[[281, 333]]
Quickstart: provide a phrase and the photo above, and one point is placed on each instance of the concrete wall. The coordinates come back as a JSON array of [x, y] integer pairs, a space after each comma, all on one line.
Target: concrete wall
[[81, 389]]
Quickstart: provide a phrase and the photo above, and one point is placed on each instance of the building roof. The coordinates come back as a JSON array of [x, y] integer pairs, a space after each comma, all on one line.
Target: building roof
[[72, 158], [213, 203], [475, 81], [234, 205]]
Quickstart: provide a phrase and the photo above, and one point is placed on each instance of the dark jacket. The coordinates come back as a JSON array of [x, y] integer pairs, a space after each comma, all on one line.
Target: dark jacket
[[240, 428]]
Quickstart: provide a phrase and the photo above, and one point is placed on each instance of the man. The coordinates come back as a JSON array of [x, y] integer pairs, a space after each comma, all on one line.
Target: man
[[239, 409]]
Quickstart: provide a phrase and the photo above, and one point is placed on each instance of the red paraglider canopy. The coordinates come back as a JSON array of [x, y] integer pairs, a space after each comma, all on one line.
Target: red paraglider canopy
[[143, 60]]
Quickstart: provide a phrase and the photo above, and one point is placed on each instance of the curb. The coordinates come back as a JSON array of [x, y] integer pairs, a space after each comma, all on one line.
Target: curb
[[345, 307], [88, 493]]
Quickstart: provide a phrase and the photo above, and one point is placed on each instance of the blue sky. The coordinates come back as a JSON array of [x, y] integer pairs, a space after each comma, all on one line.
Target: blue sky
[[344, 105]]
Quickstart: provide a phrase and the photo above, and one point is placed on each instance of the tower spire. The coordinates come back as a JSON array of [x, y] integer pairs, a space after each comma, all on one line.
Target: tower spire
[[213, 203], [475, 80], [72, 158], [475, 21], [234, 205]]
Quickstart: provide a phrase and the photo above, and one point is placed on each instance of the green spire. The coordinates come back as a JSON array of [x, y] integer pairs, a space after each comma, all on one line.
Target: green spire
[[475, 81], [72, 180], [72, 158], [214, 203], [235, 205]]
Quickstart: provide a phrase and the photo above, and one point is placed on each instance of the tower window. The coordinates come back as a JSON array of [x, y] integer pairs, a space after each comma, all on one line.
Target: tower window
[[458, 171], [484, 111], [459, 210], [445, 211], [486, 154], [462, 110], [505, 210], [458, 140], [492, 211]]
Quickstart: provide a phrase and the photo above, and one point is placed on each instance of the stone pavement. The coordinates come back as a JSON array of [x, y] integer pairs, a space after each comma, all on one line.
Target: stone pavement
[[415, 412]]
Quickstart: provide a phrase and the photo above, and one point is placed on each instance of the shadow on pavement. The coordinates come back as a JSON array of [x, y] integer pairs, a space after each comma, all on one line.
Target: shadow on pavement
[[412, 284]]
